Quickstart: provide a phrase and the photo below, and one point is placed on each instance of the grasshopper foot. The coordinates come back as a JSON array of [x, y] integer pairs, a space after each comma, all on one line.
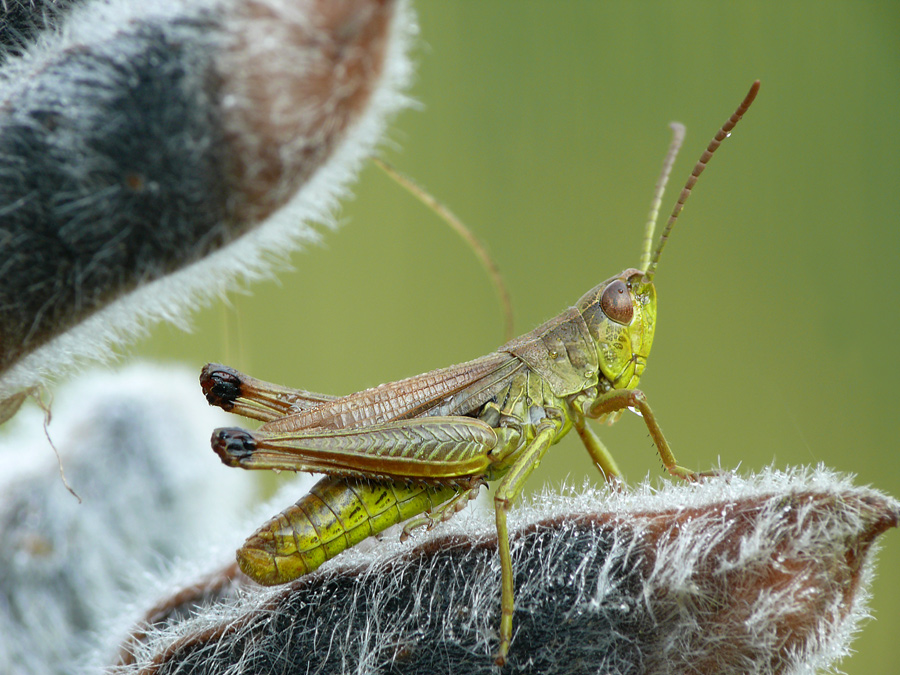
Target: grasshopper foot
[[695, 476], [723, 474], [684, 474]]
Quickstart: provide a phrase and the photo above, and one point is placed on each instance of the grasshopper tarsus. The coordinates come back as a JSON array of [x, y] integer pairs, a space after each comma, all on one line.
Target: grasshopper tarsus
[[397, 451]]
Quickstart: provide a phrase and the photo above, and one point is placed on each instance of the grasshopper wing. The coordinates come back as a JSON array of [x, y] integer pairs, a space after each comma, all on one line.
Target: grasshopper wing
[[455, 391]]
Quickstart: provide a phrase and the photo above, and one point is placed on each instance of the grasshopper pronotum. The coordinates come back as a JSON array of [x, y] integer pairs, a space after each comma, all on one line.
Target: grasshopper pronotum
[[418, 449]]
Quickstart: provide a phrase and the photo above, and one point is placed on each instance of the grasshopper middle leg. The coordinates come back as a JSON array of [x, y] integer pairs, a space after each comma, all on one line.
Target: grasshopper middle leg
[[507, 491]]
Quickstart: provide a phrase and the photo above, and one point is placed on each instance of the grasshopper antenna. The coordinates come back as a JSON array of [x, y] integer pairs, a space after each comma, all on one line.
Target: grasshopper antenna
[[658, 192], [722, 134], [468, 236]]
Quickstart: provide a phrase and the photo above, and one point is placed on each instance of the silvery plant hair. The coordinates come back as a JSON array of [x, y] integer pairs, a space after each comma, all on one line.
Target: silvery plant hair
[[153, 153], [764, 573]]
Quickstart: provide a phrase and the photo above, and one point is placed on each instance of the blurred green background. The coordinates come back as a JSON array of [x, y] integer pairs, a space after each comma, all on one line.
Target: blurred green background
[[543, 126]]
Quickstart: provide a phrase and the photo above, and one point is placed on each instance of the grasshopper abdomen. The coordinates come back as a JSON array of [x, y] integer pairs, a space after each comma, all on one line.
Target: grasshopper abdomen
[[336, 514]]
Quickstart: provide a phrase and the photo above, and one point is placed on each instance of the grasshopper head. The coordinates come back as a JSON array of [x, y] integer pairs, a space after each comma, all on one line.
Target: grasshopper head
[[621, 312], [621, 316]]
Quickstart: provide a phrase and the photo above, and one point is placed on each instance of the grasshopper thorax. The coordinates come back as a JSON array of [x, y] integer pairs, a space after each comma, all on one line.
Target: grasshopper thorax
[[620, 314]]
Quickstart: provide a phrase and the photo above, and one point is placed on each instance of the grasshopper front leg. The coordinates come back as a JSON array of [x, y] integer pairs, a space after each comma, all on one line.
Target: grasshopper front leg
[[620, 399]]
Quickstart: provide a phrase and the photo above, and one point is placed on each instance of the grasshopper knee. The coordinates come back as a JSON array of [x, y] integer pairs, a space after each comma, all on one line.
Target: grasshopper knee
[[221, 385], [501, 502], [233, 445]]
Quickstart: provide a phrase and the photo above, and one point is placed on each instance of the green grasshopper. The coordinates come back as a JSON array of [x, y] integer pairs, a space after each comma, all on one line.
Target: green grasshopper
[[417, 450]]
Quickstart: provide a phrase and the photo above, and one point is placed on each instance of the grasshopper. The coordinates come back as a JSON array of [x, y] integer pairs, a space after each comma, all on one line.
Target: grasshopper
[[417, 450]]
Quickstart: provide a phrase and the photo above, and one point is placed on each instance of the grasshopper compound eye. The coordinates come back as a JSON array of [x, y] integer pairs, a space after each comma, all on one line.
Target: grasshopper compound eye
[[616, 302]]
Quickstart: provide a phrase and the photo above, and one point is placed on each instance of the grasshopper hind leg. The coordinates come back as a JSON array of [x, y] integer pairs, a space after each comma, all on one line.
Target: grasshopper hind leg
[[443, 512]]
